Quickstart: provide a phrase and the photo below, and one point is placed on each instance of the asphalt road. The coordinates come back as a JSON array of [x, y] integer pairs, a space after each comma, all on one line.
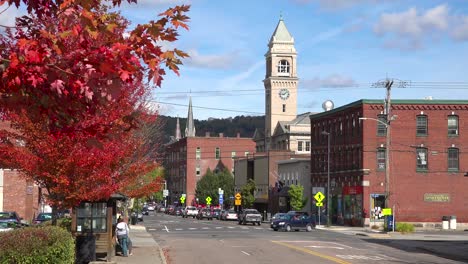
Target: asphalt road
[[188, 240]]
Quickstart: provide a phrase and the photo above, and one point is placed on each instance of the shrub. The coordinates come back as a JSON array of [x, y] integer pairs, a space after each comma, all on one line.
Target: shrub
[[405, 228], [64, 223], [45, 244]]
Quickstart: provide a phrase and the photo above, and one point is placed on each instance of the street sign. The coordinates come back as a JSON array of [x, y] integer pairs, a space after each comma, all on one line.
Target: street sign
[[387, 211], [220, 191], [182, 199], [319, 197], [318, 204], [165, 193], [221, 198], [238, 196], [237, 202], [208, 200]]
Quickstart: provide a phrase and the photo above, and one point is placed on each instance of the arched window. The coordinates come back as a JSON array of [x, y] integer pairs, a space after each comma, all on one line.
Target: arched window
[[283, 68]]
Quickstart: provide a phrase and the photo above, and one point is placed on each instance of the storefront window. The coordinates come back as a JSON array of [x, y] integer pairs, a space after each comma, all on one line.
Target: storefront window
[[91, 217], [377, 204]]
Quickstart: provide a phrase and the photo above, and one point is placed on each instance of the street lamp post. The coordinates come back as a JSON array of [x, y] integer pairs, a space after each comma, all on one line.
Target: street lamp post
[[328, 176]]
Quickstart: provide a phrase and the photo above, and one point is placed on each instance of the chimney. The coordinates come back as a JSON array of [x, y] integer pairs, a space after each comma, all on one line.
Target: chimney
[[207, 134], [238, 134], [221, 135]]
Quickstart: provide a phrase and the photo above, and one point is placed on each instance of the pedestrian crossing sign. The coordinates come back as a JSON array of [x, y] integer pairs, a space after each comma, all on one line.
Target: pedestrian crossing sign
[[319, 204]]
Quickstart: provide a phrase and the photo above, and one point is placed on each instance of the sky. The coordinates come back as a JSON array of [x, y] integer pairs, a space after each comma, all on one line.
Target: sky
[[344, 47]]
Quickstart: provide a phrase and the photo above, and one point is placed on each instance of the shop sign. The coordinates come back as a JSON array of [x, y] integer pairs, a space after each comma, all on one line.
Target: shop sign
[[437, 197]]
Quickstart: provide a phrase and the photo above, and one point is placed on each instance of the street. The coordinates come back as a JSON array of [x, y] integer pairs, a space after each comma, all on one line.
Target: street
[[188, 240]]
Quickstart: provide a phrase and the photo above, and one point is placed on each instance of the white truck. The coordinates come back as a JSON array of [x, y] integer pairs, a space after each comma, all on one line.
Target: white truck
[[190, 211]]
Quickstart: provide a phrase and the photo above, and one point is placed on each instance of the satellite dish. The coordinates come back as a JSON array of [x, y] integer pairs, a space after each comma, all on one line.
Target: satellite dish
[[328, 105]]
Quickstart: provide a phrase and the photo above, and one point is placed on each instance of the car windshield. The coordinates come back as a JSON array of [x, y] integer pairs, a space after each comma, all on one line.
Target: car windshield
[[6, 215], [251, 212], [232, 212], [191, 208], [44, 216]]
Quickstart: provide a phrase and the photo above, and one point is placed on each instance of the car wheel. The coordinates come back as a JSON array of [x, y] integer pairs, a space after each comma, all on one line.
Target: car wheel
[[276, 229], [259, 223], [288, 228], [309, 228]]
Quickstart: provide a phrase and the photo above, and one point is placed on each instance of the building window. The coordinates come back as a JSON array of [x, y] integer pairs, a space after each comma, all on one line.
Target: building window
[[382, 128], [233, 155], [453, 159], [283, 68], [307, 147], [284, 108], [421, 125], [453, 125], [421, 159], [197, 170], [381, 153], [299, 146], [198, 153], [217, 153]]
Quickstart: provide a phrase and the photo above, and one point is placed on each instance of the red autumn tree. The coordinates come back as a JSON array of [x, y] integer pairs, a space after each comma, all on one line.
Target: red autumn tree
[[73, 90]]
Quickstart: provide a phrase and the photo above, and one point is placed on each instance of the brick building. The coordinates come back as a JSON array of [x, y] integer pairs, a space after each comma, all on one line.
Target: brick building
[[187, 159], [19, 195], [427, 160]]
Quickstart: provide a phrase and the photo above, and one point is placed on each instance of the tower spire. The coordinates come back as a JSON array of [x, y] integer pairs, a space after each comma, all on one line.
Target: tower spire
[[190, 129], [177, 132]]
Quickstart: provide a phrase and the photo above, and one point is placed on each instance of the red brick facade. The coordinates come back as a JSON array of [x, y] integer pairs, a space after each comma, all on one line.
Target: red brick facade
[[423, 194], [184, 167], [19, 195]]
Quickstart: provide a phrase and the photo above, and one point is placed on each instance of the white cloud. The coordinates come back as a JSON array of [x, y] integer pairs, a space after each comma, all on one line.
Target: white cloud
[[333, 5], [222, 61], [332, 81], [460, 31], [408, 28]]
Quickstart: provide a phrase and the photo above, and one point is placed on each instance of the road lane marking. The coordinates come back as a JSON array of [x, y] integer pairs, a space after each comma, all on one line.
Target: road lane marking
[[167, 230], [324, 247], [245, 253], [316, 241], [205, 228], [193, 228], [336, 260], [178, 229], [151, 229], [219, 227], [231, 227]]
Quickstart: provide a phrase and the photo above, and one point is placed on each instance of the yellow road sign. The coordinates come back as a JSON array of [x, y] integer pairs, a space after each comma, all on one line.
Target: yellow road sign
[[319, 196], [182, 199], [208, 200], [387, 211], [238, 196], [319, 204], [237, 202]]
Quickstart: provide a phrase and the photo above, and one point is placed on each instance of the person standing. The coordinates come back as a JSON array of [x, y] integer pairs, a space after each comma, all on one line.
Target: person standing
[[121, 231]]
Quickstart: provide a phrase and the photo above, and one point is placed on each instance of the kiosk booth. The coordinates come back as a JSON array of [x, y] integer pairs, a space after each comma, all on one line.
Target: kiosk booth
[[93, 225]]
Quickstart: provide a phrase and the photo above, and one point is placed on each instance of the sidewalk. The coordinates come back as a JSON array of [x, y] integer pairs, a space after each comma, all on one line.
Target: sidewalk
[[145, 249], [427, 235]]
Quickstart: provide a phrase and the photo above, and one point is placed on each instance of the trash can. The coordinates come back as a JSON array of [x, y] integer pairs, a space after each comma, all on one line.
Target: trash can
[[134, 219], [453, 222], [85, 249], [389, 222], [445, 222]]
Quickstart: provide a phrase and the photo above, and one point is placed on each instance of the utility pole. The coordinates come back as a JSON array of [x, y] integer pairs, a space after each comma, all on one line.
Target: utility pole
[[388, 109]]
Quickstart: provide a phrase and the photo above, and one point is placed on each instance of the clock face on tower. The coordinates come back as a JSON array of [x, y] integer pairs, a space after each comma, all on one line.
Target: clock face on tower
[[284, 93]]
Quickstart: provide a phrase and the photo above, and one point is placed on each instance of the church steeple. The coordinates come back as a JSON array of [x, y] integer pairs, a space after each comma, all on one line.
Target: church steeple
[[281, 34], [177, 132], [190, 128]]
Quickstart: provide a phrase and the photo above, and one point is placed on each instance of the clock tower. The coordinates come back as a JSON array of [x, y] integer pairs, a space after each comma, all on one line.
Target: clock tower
[[280, 80]]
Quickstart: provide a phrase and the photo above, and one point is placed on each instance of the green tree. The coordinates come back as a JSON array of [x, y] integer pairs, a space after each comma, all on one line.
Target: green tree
[[296, 194], [247, 192], [208, 186]]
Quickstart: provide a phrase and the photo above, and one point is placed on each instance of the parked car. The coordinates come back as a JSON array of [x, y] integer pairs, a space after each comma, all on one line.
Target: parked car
[[42, 217], [216, 213], [294, 221], [190, 211], [250, 216], [205, 213], [178, 211], [230, 215], [151, 207], [9, 220], [145, 210]]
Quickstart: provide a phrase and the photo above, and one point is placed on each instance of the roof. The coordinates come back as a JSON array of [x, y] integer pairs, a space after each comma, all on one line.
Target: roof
[[394, 102], [302, 119], [281, 33]]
